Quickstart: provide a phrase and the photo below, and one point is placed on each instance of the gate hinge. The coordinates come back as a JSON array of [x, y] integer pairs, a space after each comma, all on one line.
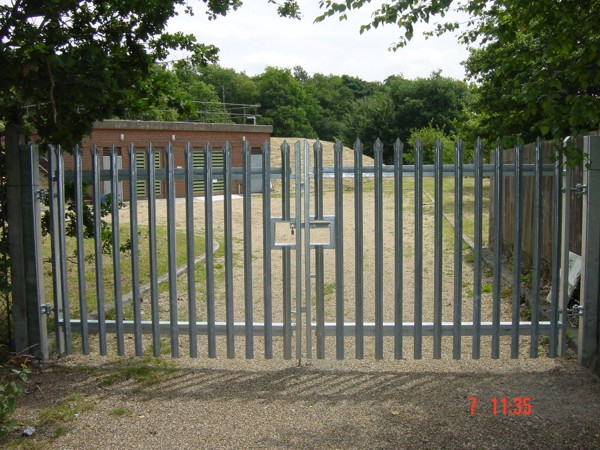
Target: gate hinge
[[42, 195], [46, 309], [579, 189], [576, 310]]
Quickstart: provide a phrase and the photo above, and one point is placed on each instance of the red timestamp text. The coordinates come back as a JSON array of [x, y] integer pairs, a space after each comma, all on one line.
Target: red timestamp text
[[505, 406]]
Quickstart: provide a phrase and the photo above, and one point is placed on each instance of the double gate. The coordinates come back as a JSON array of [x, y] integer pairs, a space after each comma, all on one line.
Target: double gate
[[347, 257]]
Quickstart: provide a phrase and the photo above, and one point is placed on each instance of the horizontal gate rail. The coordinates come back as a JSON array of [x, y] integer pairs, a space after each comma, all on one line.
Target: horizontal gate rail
[[388, 171], [330, 328]]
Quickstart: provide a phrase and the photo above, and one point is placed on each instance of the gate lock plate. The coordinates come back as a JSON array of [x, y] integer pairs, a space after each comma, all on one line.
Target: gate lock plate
[[321, 232]]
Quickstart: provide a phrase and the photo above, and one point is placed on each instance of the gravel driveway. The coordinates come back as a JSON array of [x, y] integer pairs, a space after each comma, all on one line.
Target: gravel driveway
[[324, 404]]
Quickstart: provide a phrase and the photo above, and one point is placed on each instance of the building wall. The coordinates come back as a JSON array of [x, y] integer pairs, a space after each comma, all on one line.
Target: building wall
[[123, 133]]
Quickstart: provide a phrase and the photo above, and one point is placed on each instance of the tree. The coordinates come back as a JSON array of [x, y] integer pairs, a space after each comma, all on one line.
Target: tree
[[197, 99], [335, 100], [73, 62], [428, 137], [435, 101], [535, 78], [371, 118], [402, 106], [540, 58], [230, 86], [285, 103]]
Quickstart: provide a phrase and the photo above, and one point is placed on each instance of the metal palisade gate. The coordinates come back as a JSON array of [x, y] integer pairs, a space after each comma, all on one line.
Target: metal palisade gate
[[347, 257]]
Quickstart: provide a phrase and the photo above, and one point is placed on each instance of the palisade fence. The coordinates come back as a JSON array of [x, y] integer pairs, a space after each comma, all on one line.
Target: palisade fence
[[527, 195], [407, 316], [356, 257]]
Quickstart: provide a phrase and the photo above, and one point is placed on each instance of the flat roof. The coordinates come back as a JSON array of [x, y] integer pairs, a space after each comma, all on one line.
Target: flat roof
[[180, 126]]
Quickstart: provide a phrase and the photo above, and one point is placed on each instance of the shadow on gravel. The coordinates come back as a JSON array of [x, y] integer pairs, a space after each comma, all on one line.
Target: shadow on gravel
[[309, 406]]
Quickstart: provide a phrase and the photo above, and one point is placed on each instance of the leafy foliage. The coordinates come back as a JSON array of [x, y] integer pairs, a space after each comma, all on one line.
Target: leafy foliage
[[12, 385], [335, 99], [285, 103], [88, 220], [428, 137], [369, 119], [73, 62], [402, 106], [536, 63], [538, 73]]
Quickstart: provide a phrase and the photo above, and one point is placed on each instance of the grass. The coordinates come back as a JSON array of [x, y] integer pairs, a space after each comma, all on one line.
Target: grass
[[64, 411], [108, 268], [121, 412], [53, 421], [468, 203], [143, 371]]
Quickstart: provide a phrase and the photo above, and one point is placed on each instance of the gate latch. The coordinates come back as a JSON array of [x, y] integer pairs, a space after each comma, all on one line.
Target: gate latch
[[42, 195], [576, 310], [579, 189]]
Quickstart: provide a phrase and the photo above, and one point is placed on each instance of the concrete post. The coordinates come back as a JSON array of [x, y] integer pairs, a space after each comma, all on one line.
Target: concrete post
[[24, 235], [589, 324]]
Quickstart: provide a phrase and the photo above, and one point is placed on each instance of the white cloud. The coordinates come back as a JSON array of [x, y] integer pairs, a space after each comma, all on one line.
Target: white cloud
[[255, 37]]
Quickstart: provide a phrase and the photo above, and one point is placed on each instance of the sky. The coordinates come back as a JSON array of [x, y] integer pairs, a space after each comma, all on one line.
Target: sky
[[254, 37]]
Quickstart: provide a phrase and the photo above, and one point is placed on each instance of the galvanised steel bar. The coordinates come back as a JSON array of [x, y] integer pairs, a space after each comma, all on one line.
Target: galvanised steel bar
[[517, 254], [151, 186], [116, 249], [100, 310], [497, 270], [57, 266], [307, 258], [418, 307], [438, 249], [330, 328], [247, 206], [564, 256], [339, 250], [62, 247], [191, 248], [267, 259], [172, 251], [477, 252], [319, 256], [286, 252], [358, 249], [537, 258], [209, 246], [378, 200], [135, 252], [228, 218], [556, 254], [458, 243], [348, 171], [398, 249], [587, 338], [298, 228], [85, 342]]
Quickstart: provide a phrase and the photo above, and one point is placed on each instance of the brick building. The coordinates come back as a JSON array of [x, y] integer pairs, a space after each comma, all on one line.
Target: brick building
[[123, 133]]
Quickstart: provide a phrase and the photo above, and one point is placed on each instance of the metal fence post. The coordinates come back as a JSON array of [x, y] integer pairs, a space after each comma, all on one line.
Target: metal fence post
[[589, 324], [25, 247]]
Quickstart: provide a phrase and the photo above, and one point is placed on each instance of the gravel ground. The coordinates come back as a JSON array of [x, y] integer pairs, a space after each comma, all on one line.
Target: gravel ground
[[115, 402], [323, 404]]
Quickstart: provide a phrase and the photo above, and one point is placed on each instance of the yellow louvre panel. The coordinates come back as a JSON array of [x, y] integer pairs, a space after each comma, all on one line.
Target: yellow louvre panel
[[198, 163], [140, 163], [157, 165]]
